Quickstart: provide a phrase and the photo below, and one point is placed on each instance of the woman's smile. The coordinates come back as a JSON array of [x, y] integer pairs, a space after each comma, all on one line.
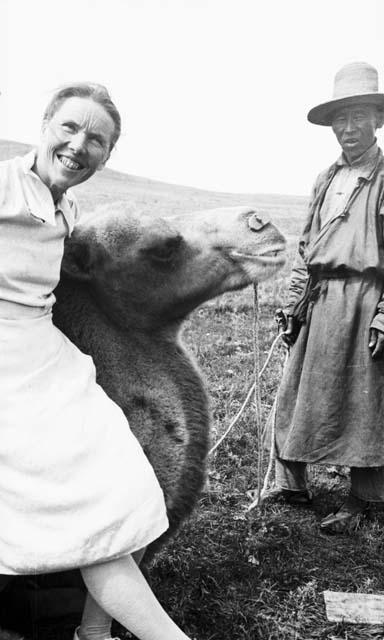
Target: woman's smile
[[69, 163]]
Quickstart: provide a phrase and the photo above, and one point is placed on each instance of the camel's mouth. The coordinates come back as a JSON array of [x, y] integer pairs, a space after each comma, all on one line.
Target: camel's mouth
[[274, 255]]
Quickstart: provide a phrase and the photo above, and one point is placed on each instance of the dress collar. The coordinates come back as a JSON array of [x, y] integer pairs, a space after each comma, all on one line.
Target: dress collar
[[39, 198]]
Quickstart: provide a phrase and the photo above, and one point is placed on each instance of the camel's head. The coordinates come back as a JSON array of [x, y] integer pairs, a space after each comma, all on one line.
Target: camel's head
[[151, 271]]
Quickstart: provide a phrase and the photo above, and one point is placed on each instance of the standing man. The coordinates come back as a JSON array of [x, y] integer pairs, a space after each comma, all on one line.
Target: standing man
[[330, 405]]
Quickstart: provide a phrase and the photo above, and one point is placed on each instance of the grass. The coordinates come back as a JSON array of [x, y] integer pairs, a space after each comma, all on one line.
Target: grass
[[232, 574]]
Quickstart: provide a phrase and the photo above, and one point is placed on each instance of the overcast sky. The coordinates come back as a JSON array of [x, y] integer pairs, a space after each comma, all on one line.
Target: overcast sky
[[212, 93]]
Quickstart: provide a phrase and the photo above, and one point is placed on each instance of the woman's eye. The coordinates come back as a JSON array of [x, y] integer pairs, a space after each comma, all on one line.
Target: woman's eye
[[97, 141], [68, 126]]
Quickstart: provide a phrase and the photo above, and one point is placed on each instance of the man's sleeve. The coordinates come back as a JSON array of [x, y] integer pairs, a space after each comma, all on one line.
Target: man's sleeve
[[299, 273], [378, 320], [297, 284]]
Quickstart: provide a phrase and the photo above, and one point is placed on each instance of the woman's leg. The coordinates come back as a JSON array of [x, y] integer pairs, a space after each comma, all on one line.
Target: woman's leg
[[120, 589], [95, 622]]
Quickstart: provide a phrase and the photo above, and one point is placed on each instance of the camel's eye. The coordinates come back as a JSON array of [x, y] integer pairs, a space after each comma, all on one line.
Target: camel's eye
[[163, 251]]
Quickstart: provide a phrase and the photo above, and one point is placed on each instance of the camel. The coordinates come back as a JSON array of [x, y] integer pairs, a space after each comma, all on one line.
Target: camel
[[127, 284]]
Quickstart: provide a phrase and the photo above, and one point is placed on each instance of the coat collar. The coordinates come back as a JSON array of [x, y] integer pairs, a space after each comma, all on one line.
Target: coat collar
[[325, 180], [39, 198], [365, 165]]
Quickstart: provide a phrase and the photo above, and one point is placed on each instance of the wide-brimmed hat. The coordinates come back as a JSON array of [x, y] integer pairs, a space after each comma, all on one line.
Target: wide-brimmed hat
[[355, 83]]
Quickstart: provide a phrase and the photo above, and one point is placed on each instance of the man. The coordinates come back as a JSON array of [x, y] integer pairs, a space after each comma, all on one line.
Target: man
[[330, 405]]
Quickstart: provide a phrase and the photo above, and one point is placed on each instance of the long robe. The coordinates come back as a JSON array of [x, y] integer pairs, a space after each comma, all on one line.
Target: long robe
[[330, 405]]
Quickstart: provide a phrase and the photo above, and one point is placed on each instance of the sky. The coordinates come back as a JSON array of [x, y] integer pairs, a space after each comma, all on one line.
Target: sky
[[212, 93]]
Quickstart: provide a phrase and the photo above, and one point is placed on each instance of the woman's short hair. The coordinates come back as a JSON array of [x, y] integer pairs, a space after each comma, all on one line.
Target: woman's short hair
[[96, 92]]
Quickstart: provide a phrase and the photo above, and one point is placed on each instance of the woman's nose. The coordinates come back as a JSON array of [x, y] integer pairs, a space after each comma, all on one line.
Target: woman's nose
[[77, 142]]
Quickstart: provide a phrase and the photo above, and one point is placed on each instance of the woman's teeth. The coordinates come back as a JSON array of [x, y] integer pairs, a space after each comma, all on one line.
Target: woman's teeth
[[70, 164]]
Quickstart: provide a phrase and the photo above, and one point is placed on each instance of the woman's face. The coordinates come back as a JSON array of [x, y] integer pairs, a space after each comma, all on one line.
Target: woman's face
[[75, 143]]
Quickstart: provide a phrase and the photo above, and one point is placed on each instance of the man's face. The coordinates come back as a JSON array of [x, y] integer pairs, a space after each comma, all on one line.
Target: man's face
[[355, 128]]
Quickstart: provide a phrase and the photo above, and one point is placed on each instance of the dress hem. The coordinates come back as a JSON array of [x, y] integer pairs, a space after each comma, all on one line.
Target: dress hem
[[73, 565]]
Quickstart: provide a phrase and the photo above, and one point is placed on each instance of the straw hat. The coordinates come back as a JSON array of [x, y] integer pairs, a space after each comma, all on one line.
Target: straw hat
[[355, 83]]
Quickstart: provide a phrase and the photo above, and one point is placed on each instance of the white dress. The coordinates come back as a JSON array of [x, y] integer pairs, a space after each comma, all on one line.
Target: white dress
[[75, 486]]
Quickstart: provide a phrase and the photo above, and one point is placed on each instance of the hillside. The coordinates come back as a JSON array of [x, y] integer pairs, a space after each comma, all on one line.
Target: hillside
[[164, 199]]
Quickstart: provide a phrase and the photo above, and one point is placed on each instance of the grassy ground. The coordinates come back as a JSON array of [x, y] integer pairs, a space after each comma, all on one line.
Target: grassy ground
[[232, 574]]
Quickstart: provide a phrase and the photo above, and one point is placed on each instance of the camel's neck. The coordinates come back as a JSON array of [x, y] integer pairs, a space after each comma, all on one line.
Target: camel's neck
[[75, 309], [76, 305], [124, 356]]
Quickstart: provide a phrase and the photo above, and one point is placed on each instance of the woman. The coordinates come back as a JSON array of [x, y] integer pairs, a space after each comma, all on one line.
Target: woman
[[76, 488]]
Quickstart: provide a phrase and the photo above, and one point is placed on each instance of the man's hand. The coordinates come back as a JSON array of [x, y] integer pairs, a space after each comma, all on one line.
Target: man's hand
[[289, 326], [376, 343], [291, 332]]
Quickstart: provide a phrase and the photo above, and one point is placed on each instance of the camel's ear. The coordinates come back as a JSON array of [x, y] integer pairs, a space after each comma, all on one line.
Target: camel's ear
[[77, 261]]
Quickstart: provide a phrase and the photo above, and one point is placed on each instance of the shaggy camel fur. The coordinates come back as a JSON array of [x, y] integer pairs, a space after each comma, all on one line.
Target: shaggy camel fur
[[127, 284]]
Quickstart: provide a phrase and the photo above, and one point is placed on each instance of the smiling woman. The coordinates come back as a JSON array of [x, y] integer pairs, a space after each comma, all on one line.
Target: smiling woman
[[76, 489], [78, 135]]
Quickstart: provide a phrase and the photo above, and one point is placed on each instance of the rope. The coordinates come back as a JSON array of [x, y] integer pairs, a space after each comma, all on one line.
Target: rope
[[256, 368], [260, 494], [249, 394], [255, 390]]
